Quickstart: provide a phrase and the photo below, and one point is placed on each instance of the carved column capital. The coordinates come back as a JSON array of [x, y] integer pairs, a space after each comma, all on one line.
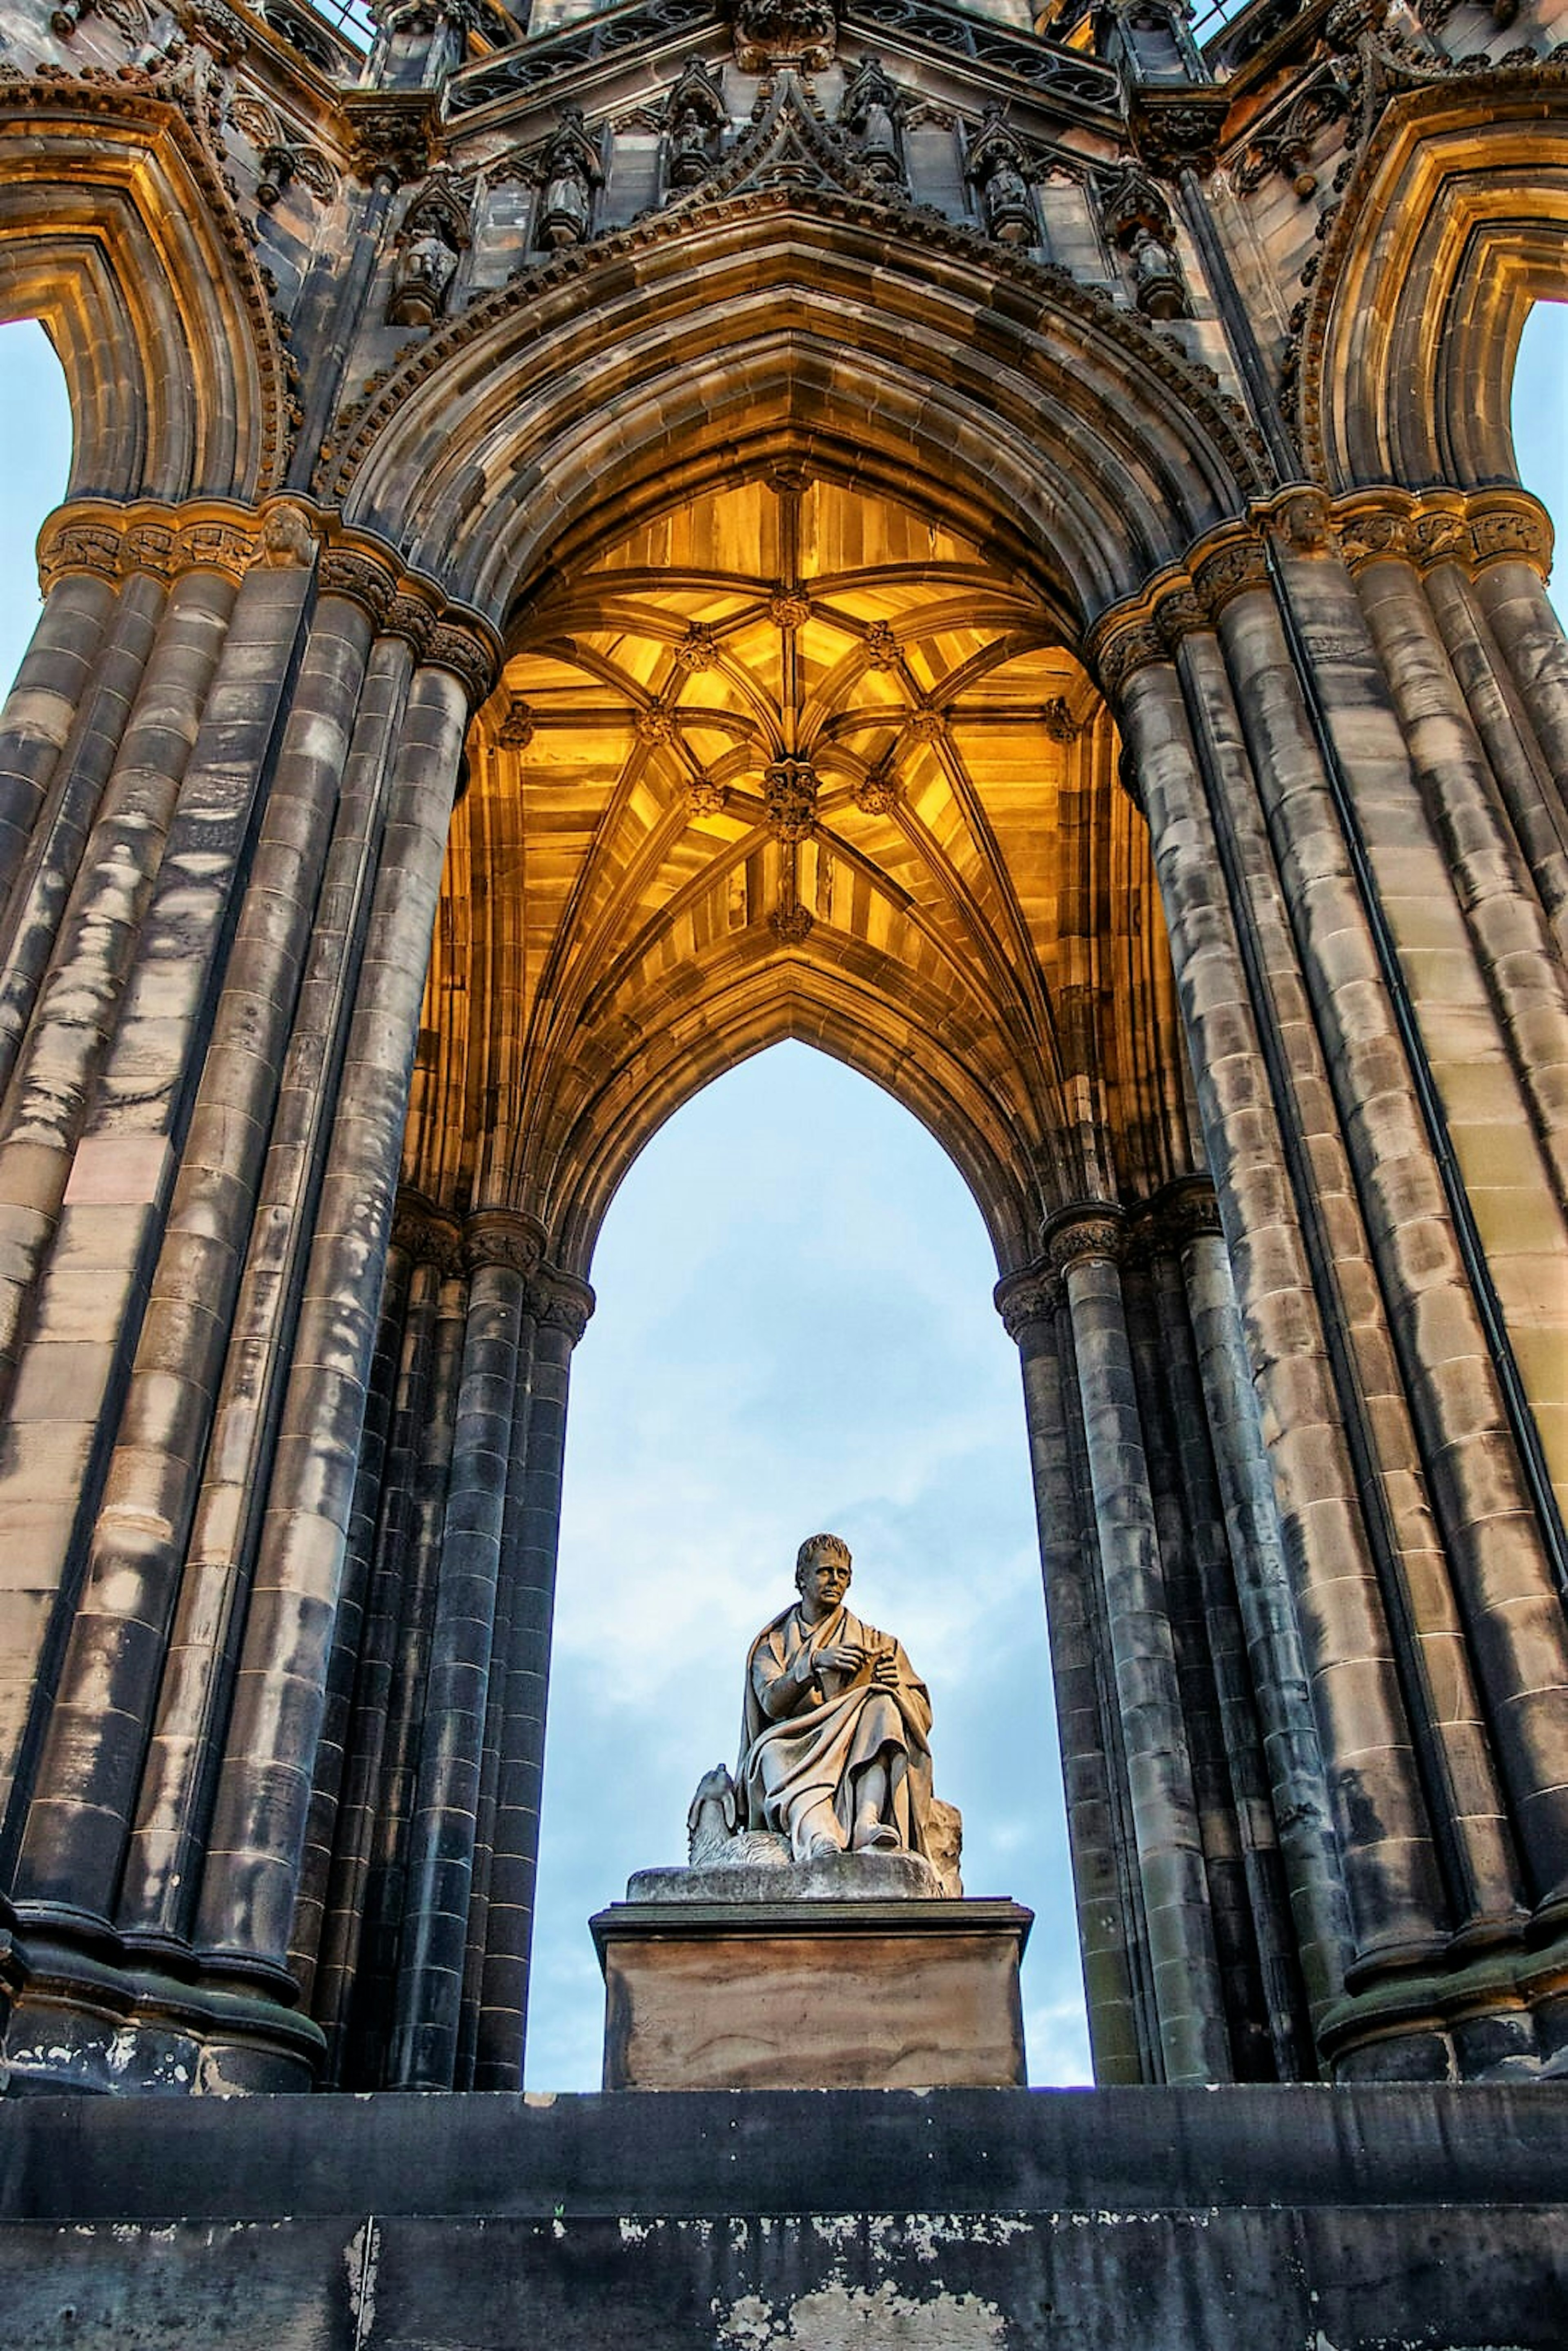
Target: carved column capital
[[1183, 1211], [469, 651], [1130, 643], [362, 575], [427, 1234], [561, 1302], [1375, 529], [1509, 525], [1300, 517], [81, 538], [1030, 1296], [1091, 1229], [503, 1237], [409, 616], [1233, 569]]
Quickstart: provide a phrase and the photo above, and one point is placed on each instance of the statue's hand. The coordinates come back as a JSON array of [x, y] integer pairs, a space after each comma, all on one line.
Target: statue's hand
[[884, 1670], [840, 1657]]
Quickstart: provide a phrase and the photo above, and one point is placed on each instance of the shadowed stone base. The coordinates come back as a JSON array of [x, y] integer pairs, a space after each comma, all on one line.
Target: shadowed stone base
[[864, 1994], [1233, 2220]]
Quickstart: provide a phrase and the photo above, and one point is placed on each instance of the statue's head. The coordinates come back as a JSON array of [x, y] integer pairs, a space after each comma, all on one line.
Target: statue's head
[[817, 1549]]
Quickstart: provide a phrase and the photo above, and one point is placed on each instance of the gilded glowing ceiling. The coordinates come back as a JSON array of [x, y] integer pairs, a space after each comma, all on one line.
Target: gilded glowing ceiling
[[787, 761]]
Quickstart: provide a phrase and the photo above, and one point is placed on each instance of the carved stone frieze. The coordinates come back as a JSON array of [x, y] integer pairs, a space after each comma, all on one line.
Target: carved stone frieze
[[410, 616], [1368, 532], [67, 547]]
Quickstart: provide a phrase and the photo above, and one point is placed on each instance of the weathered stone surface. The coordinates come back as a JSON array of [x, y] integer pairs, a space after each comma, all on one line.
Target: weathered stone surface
[[775, 1995]]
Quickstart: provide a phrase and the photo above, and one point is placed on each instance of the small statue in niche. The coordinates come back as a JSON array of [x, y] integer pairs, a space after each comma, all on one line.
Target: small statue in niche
[[571, 171], [432, 240], [870, 113], [695, 115], [996, 168], [1139, 225]]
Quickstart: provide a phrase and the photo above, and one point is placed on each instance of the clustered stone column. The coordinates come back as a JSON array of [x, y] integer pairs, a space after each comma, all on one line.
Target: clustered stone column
[[1211, 1913], [1359, 849], [211, 1006], [417, 1943]]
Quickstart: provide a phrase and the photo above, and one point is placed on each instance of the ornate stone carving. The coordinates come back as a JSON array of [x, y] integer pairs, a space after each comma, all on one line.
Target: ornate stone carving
[[1058, 722], [469, 655], [773, 33], [881, 646], [368, 578], [1127, 649], [1139, 225], [1230, 571], [1186, 1210], [502, 1237], [428, 1234], [926, 725], [516, 731], [1080, 1234], [694, 120], [288, 542], [789, 608], [284, 157], [703, 794], [1283, 142], [559, 1302], [150, 547], [870, 113], [64, 547], [1177, 129], [569, 171], [410, 616], [393, 132], [878, 792], [1369, 533], [655, 724], [698, 649], [433, 238], [1303, 519], [790, 793], [1440, 538], [1176, 616], [1026, 1298], [791, 925], [997, 167], [214, 544], [1522, 532]]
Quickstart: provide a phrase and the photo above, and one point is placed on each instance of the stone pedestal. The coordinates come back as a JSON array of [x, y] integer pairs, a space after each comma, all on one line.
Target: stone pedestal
[[807, 1986]]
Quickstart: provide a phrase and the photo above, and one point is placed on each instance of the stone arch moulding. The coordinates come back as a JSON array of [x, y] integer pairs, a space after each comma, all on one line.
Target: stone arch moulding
[[117, 233], [1079, 445], [1455, 221]]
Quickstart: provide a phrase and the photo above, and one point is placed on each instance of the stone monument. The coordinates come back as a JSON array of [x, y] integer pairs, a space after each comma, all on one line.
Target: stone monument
[[819, 1936]]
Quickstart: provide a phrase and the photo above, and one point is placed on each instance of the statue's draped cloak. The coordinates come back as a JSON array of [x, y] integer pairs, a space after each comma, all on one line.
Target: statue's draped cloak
[[840, 1725]]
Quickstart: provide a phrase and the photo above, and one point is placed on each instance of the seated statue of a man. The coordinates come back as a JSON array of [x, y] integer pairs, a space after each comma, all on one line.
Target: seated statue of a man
[[833, 1751]]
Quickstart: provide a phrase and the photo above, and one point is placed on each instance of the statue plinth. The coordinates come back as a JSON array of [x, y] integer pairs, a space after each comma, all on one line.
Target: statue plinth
[[838, 1973]]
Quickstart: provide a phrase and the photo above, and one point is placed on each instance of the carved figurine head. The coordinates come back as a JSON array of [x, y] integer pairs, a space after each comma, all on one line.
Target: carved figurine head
[[823, 1568]]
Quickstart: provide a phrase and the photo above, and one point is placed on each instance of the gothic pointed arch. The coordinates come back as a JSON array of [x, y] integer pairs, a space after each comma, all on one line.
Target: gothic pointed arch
[[1061, 429], [116, 231], [1456, 220]]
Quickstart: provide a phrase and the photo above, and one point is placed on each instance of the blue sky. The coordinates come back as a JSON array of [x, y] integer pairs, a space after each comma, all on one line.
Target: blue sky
[[794, 1331]]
